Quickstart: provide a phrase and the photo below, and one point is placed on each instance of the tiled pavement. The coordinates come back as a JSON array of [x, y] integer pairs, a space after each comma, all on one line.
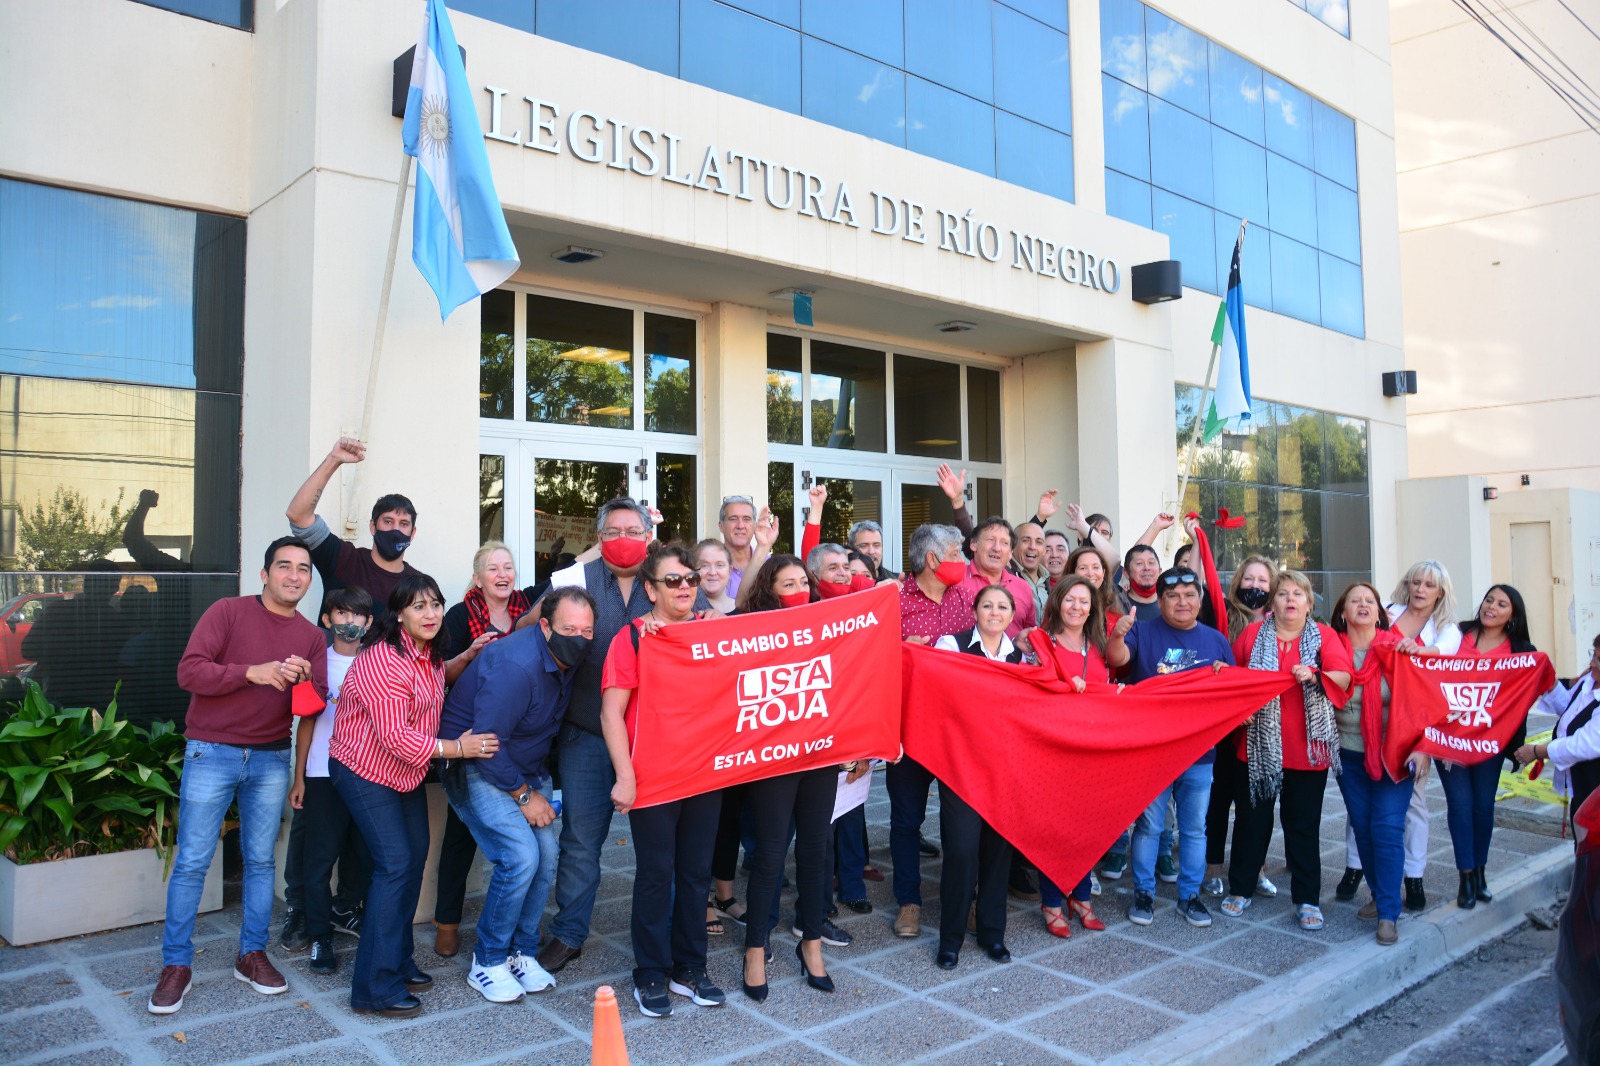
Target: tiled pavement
[[1081, 1000]]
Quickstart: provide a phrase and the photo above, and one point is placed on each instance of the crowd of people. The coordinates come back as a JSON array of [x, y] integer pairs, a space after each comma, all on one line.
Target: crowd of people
[[520, 690]]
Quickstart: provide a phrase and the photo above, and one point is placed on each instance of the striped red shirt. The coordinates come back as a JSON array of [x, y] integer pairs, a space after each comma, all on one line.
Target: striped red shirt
[[387, 729]]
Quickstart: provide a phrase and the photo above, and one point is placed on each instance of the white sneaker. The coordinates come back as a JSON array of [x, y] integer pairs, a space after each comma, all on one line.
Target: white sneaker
[[495, 983], [1094, 884], [528, 972]]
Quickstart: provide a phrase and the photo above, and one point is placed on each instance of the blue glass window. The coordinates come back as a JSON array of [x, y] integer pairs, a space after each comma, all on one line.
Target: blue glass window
[[1192, 230], [1032, 77], [1335, 138], [872, 27], [1033, 156], [1180, 152], [1122, 40], [1292, 198], [1255, 265], [949, 126], [1341, 295], [948, 42], [1236, 94], [1338, 220], [1127, 127], [845, 90], [518, 14], [741, 54], [1295, 290], [1288, 120], [642, 32], [240, 14], [1128, 199], [1177, 60], [1334, 13], [784, 11], [1049, 12], [1239, 171]]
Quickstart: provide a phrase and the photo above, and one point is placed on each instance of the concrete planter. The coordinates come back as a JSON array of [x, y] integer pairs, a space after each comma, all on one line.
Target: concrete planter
[[50, 900]]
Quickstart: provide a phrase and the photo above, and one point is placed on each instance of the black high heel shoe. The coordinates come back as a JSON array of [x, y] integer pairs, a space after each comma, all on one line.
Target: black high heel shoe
[[1467, 895], [758, 993], [821, 984]]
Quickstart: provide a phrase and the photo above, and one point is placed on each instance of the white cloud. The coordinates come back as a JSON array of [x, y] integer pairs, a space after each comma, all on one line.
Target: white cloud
[[138, 303]]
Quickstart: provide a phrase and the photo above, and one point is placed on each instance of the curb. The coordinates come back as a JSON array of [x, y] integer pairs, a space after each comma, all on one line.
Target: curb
[[1289, 1014]]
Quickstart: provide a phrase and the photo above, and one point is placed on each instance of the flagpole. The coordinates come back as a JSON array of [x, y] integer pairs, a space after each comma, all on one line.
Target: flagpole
[[1205, 393], [350, 517]]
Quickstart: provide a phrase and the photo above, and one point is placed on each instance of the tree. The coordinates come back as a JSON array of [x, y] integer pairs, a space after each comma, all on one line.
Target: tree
[[66, 534]]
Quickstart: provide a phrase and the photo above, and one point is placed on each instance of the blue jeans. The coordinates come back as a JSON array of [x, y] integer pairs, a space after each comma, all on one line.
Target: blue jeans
[[587, 778], [524, 861], [907, 782], [214, 775], [1469, 809], [1050, 893], [395, 827], [1377, 814], [1192, 790]]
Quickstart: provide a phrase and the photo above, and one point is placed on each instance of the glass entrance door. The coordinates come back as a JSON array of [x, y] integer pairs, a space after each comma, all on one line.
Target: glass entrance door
[[853, 495]]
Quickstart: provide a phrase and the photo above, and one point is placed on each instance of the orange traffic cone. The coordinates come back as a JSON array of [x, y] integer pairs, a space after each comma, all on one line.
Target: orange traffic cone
[[608, 1048]]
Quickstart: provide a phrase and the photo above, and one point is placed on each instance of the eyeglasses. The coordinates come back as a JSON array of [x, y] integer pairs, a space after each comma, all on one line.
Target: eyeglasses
[[677, 581], [1172, 581], [610, 533]]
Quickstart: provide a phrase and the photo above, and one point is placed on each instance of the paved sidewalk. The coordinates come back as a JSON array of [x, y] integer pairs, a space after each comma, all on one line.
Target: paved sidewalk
[[1167, 992]]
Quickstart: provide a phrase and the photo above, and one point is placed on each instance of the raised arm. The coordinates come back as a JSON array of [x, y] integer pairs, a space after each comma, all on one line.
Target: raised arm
[[766, 535], [303, 507], [1087, 534], [813, 533], [954, 486], [1158, 525]]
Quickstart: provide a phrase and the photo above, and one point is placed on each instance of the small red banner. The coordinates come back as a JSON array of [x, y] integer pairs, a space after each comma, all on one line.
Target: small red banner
[[1461, 709]]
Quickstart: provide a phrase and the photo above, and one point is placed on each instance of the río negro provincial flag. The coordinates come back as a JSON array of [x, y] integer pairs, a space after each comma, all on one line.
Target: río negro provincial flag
[[1232, 397]]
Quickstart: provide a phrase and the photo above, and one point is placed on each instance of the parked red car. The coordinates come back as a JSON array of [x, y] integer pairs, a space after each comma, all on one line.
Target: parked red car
[[16, 618], [1578, 941]]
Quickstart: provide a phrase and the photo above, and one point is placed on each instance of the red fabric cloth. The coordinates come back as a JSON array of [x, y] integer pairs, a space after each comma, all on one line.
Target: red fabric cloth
[[387, 729], [1059, 774], [1088, 664], [1292, 707], [810, 539], [1370, 679], [1460, 708], [233, 635], [1202, 548]]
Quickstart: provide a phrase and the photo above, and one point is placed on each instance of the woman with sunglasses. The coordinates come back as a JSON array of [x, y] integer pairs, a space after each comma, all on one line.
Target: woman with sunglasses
[[671, 841], [803, 799]]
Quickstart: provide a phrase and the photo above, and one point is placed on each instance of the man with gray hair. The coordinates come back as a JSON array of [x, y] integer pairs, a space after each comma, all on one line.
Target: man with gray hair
[[587, 777], [829, 564], [866, 537]]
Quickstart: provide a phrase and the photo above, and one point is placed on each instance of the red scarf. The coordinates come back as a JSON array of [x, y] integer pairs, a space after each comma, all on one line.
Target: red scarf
[[478, 622], [1370, 677], [1144, 592], [1219, 603]]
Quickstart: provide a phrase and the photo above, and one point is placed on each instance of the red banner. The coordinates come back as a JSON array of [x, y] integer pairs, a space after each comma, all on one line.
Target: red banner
[[1059, 774], [1462, 709], [739, 699]]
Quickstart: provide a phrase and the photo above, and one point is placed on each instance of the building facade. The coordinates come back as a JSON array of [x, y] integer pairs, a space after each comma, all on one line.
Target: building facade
[[191, 255]]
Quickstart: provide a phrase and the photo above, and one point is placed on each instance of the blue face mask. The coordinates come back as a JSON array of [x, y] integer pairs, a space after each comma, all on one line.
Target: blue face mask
[[349, 632]]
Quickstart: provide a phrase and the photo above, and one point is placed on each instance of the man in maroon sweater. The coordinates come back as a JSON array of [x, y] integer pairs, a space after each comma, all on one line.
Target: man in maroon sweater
[[244, 657]]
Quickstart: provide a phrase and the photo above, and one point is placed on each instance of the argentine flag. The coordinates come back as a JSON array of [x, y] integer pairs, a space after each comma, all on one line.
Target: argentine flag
[[1232, 398], [459, 238]]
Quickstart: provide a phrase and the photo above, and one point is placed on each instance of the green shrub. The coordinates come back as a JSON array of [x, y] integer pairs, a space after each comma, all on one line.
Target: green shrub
[[76, 782]]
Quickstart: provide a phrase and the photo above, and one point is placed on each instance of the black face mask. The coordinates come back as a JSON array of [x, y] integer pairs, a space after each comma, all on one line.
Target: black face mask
[[391, 543], [569, 649], [1255, 599]]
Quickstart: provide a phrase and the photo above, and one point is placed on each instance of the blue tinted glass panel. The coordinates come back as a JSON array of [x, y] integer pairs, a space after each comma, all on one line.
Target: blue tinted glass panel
[[741, 54], [872, 27], [1127, 127], [784, 11], [1255, 265], [1194, 240], [1128, 199], [1335, 138], [1292, 199], [1031, 73], [1239, 169], [845, 90], [518, 14], [1033, 156], [643, 32], [1288, 119], [1180, 152], [1334, 13], [240, 14], [1295, 291], [1122, 40], [1341, 296], [948, 42], [949, 126], [1177, 61], [1338, 220], [1236, 94], [1049, 12]]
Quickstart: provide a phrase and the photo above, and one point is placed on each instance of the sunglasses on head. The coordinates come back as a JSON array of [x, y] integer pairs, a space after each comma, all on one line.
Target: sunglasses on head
[[737, 499], [677, 581], [1172, 581]]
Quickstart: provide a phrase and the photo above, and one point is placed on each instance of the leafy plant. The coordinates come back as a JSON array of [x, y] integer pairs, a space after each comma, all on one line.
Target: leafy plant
[[67, 533], [77, 782]]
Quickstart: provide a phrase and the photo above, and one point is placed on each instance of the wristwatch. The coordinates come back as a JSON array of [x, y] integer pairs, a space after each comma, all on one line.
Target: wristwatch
[[524, 796]]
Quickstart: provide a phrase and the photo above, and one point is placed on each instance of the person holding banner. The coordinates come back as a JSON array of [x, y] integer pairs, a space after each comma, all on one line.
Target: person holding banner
[[1288, 746], [805, 800], [1499, 629]]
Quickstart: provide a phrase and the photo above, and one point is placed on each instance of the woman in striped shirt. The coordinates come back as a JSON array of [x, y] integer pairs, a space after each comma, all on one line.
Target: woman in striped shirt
[[383, 739]]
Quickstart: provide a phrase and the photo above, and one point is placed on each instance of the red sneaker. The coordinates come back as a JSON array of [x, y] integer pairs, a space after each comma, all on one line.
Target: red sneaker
[[255, 970], [173, 984]]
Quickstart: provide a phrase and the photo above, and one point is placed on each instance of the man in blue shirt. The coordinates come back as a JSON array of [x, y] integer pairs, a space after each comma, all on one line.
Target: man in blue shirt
[[1171, 644], [518, 689]]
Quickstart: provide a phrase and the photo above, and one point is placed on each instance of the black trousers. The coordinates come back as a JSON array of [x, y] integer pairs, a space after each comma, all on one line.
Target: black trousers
[[318, 818], [725, 852], [806, 798], [974, 856], [1300, 812], [1226, 774], [672, 872], [456, 855]]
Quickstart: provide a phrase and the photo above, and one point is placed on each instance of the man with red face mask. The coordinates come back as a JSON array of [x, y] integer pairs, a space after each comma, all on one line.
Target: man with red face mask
[[828, 565], [587, 776]]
